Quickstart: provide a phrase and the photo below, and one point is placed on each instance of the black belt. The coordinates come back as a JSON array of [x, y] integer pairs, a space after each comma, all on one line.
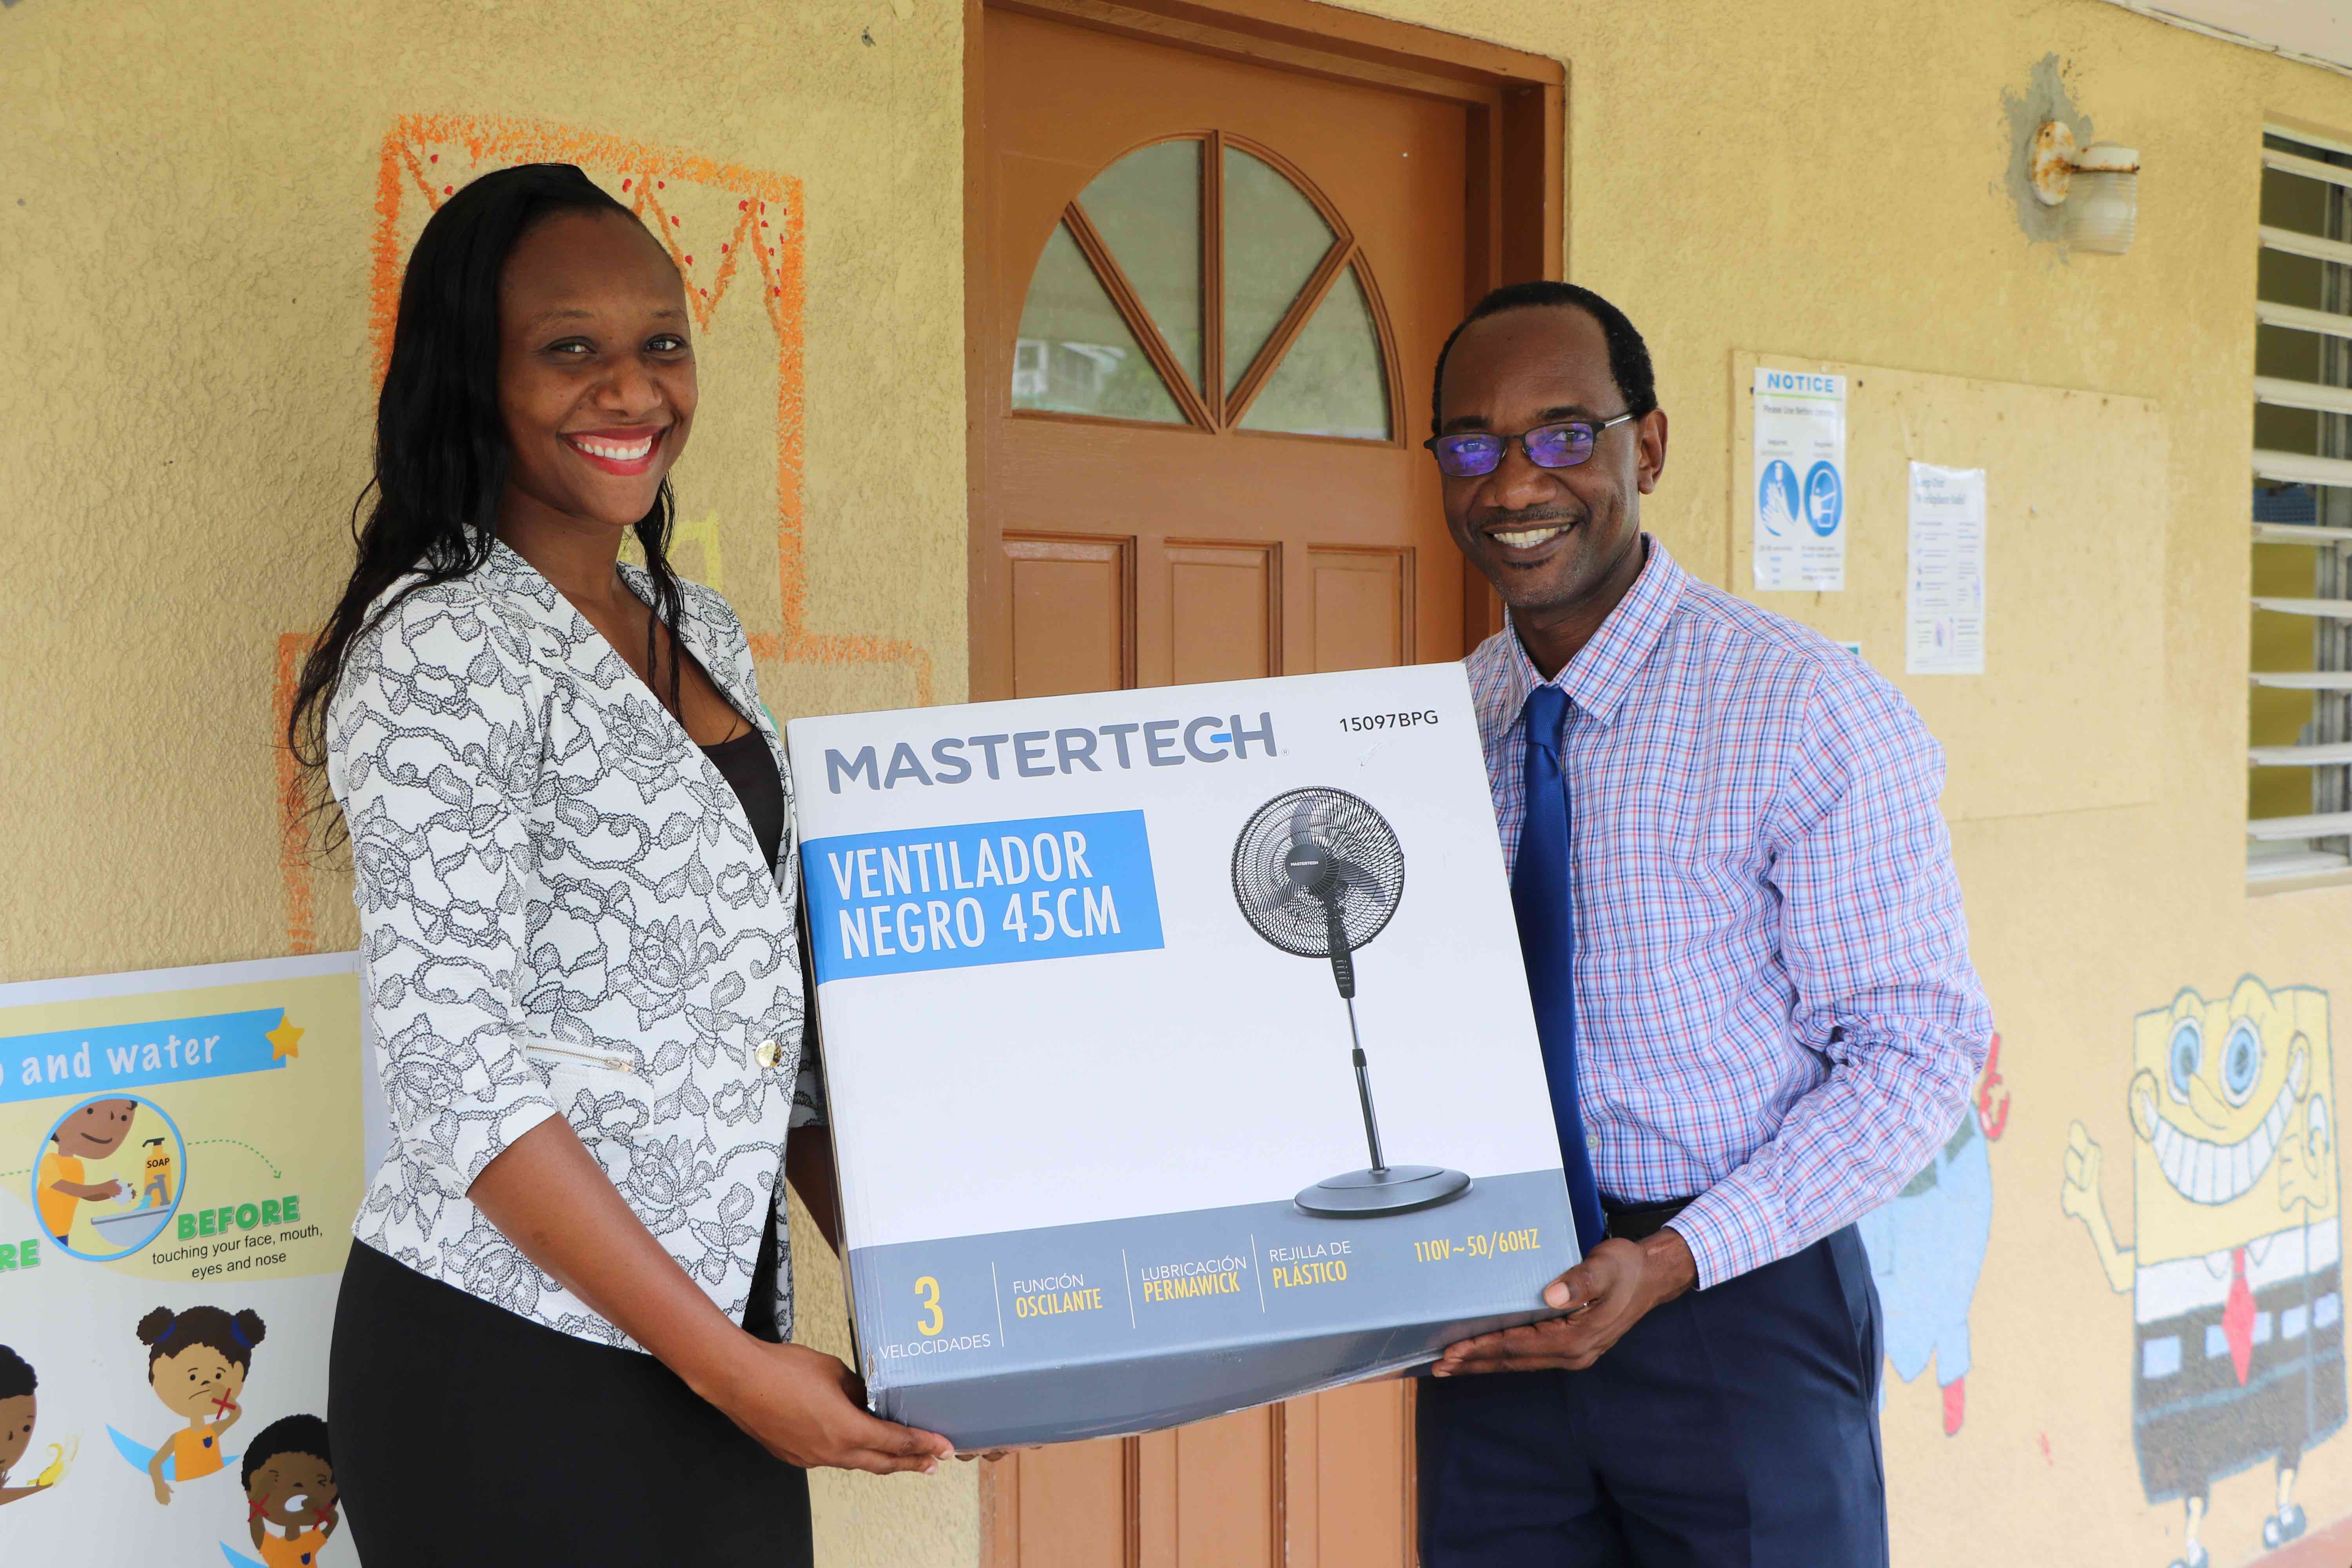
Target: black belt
[[1637, 1222]]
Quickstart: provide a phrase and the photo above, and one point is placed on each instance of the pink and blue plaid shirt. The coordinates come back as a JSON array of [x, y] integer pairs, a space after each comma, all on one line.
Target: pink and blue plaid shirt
[[1776, 1014]]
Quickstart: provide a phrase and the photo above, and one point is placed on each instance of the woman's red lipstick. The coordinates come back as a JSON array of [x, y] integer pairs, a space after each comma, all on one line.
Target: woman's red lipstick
[[624, 451]]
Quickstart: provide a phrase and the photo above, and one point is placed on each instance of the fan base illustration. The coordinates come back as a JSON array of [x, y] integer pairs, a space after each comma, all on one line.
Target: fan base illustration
[[1400, 1189]]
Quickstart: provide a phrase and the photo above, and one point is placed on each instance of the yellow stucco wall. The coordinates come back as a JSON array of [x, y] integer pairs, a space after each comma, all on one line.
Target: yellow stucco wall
[[194, 198], [190, 200]]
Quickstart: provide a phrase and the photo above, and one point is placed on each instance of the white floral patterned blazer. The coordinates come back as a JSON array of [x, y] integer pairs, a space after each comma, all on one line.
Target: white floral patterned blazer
[[563, 911]]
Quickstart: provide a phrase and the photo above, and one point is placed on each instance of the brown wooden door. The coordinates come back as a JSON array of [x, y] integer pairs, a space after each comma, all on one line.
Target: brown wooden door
[[1208, 295], [1189, 255]]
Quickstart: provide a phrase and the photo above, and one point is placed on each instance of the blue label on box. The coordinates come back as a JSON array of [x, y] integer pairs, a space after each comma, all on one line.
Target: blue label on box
[[981, 892]]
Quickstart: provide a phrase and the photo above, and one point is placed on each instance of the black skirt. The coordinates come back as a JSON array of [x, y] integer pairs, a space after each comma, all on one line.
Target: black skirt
[[464, 1433]]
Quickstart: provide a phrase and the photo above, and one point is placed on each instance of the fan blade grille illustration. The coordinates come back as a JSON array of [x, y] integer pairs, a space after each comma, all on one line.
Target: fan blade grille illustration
[[1317, 872]]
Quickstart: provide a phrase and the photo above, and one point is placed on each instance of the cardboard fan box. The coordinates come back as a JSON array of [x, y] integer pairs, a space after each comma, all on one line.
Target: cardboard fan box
[[1178, 1048]]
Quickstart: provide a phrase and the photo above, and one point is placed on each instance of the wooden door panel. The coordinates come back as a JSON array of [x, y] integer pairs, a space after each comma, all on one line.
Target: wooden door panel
[[1364, 1480], [1347, 1481], [1325, 1479], [1095, 475], [1224, 611], [1072, 614], [1072, 1505], [1362, 605], [1206, 1494], [1225, 1506]]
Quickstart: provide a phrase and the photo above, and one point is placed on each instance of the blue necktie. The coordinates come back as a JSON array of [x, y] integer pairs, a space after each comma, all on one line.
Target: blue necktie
[[1540, 897]]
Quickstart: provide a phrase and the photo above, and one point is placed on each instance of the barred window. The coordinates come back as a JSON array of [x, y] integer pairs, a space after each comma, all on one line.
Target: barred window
[[2299, 778]]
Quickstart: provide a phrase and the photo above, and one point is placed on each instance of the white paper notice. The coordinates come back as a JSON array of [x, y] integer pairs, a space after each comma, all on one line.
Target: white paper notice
[[1800, 480], [1944, 597]]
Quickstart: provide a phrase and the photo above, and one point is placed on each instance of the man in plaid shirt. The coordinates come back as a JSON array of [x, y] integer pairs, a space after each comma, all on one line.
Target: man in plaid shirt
[[1749, 966]]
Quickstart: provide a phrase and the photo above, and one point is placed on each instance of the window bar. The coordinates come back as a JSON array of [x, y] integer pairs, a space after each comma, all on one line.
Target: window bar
[[2302, 319], [2305, 468], [2280, 392], [2336, 175], [2294, 242]]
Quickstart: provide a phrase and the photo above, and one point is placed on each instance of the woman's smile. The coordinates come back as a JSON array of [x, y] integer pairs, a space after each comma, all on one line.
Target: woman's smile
[[622, 451]]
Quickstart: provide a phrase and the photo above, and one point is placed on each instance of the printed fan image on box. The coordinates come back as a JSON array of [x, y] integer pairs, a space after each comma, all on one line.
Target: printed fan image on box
[[1317, 872], [1112, 1157]]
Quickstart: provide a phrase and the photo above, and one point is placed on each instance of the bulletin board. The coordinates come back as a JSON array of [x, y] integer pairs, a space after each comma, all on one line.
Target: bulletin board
[[2066, 715]]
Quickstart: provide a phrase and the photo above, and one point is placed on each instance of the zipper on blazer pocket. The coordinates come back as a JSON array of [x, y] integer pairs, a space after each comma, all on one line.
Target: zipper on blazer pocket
[[610, 1064]]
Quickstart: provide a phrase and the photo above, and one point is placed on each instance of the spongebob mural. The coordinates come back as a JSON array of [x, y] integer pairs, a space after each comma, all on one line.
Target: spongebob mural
[[2235, 1269]]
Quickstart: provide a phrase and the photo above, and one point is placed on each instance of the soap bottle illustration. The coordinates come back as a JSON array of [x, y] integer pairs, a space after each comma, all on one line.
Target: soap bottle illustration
[[155, 1185]]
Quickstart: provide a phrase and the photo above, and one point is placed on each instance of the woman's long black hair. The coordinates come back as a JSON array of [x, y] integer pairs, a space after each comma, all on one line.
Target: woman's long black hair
[[441, 449]]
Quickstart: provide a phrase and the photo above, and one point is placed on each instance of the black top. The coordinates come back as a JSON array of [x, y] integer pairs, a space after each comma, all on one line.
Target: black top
[[749, 769]]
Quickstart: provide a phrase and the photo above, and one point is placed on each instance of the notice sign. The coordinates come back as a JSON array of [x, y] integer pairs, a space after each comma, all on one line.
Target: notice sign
[[1800, 520], [1943, 592]]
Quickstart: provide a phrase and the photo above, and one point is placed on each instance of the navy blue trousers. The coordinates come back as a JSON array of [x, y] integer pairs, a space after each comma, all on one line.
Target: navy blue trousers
[[1736, 1425]]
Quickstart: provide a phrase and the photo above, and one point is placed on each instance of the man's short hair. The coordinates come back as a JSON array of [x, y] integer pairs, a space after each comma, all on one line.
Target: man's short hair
[[1629, 356]]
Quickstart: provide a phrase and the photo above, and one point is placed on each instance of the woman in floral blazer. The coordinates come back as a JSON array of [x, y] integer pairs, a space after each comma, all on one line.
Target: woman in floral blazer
[[569, 820]]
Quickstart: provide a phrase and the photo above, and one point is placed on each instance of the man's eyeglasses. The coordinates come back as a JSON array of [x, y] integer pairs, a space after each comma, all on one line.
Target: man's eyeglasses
[[1471, 453]]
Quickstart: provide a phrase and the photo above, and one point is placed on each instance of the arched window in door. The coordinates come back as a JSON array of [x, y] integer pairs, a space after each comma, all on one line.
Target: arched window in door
[[1204, 281]]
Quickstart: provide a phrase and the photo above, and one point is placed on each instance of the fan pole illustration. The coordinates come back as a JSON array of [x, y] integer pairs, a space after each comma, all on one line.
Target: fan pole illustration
[[1317, 872]]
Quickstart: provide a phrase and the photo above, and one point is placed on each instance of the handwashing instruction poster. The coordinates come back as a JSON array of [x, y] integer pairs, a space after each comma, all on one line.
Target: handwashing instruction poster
[[1800, 514], [1943, 589], [180, 1160]]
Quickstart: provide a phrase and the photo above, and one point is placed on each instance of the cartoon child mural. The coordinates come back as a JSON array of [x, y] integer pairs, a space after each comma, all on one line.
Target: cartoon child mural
[[289, 1489], [1926, 1246], [2235, 1271], [197, 1361], [18, 1410], [93, 1131]]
